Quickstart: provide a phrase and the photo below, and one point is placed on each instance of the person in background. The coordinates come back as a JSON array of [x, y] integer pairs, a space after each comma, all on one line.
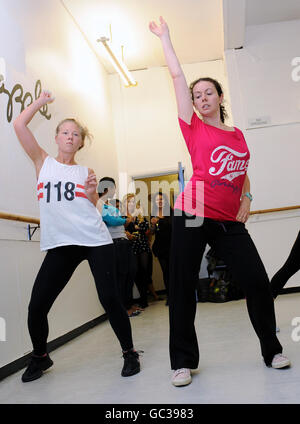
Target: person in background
[[213, 208], [161, 226], [116, 203], [137, 233], [125, 260]]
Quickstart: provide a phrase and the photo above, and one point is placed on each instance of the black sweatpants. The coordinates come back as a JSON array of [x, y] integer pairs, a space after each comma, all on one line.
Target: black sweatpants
[[143, 276], [126, 270], [164, 262], [234, 245], [55, 272], [291, 266]]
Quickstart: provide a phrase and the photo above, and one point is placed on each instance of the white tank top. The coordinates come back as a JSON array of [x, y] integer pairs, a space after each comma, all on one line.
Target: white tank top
[[67, 217]]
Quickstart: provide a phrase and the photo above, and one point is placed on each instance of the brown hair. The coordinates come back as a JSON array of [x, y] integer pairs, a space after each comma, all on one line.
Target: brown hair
[[84, 132]]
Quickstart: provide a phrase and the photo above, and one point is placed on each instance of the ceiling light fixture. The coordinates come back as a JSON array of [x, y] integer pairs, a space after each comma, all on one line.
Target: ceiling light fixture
[[118, 64]]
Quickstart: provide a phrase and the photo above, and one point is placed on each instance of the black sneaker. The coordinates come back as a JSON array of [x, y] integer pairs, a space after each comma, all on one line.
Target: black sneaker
[[131, 363], [36, 367]]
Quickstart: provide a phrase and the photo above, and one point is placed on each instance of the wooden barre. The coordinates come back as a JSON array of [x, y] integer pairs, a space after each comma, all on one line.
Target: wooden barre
[[13, 217], [286, 208]]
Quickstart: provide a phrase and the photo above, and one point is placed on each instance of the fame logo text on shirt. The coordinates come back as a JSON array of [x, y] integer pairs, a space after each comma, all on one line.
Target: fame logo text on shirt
[[228, 160]]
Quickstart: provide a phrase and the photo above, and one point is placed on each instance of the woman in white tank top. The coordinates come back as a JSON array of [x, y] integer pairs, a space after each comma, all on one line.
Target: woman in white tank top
[[72, 230]]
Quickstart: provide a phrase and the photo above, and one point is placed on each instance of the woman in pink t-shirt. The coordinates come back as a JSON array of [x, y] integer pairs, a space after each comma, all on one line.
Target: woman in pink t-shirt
[[212, 210]]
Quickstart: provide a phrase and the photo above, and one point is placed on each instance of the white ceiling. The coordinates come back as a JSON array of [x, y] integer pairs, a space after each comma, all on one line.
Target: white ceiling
[[199, 28], [192, 23]]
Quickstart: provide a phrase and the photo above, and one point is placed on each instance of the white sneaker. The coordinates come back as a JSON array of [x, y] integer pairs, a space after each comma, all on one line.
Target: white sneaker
[[182, 377], [280, 361]]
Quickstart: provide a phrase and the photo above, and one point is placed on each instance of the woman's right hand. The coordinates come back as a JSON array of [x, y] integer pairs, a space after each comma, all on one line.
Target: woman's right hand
[[159, 30], [45, 97]]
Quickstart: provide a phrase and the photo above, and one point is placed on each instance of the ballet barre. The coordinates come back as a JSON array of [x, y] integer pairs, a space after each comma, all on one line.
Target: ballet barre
[[285, 208], [30, 220], [20, 218], [13, 217]]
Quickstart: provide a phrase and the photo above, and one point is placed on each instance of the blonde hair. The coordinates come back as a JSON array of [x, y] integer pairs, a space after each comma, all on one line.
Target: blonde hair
[[125, 201], [84, 132], [138, 212]]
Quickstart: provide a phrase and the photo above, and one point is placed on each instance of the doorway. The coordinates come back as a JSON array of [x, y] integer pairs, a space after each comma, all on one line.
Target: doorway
[[146, 187]]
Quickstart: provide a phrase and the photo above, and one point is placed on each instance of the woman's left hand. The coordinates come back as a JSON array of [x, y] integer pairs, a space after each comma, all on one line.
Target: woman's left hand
[[90, 184], [90, 187], [244, 210]]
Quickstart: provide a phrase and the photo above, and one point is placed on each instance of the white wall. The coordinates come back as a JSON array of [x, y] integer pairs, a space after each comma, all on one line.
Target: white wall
[[274, 235], [40, 41], [261, 85]]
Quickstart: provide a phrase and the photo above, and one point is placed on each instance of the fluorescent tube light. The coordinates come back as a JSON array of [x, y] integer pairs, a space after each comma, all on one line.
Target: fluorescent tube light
[[118, 64]]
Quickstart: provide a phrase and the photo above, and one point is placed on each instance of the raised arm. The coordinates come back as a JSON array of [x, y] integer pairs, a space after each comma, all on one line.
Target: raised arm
[[182, 92], [25, 136]]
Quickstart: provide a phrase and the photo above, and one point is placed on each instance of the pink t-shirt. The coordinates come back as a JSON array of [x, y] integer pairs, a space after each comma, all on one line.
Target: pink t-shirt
[[220, 160]]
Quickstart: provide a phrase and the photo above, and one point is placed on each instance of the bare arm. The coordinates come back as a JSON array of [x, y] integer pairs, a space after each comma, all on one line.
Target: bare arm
[[182, 92], [246, 186], [25, 136], [244, 210]]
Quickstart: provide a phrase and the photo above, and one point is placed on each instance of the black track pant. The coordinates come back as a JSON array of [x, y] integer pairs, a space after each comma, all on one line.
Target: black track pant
[[126, 270], [143, 276], [164, 262], [291, 266], [233, 244], [55, 272]]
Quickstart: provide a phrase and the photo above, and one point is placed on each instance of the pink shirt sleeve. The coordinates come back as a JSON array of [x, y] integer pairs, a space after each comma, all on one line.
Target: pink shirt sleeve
[[187, 129]]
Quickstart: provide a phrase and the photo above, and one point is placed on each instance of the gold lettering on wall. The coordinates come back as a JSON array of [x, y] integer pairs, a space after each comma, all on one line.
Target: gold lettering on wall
[[17, 95]]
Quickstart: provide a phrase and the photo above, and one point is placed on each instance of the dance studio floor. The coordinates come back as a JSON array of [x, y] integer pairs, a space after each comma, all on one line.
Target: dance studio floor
[[87, 369]]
